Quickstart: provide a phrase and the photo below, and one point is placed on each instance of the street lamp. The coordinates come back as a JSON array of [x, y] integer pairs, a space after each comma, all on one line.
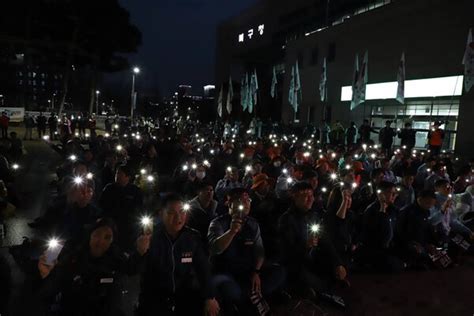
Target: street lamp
[[97, 92], [133, 100]]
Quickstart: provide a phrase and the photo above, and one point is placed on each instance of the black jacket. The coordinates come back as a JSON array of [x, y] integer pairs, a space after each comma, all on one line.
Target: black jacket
[[293, 229], [172, 266], [407, 137], [378, 227], [88, 285], [414, 227], [267, 210], [123, 204]]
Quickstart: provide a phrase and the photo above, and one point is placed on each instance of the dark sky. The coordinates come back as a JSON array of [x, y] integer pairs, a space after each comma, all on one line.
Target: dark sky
[[178, 40]]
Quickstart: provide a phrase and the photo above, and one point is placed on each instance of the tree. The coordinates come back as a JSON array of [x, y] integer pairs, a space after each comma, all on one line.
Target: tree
[[71, 35]]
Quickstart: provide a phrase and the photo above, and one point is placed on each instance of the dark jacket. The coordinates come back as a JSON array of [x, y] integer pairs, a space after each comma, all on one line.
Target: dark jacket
[[240, 257], [386, 135], [123, 204], [407, 137], [413, 226], [378, 227], [293, 229], [88, 285], [200, 219], [267, 210], [171, 268]]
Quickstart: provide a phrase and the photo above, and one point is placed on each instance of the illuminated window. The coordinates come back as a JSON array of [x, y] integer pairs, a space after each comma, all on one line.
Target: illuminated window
[[432, 88]]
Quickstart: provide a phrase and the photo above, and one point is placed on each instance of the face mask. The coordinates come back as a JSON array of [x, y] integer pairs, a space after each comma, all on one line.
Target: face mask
[[277, 164], [299, 162], [200, 175], [228, 151]]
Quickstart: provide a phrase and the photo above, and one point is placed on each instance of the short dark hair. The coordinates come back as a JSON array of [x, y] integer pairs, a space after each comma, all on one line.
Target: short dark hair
[[441, 182], [300, 186], [407, 124], [105, 222], [386, 185], [464, 170], [408, 172], [202, 185], [125, 169], [77, 163], [437, 167], [427, 194], [375, 172], [309, 174], [235, 193], [170, 198]]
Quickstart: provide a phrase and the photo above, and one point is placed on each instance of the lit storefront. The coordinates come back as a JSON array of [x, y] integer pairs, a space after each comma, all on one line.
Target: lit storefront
[[426, 101]]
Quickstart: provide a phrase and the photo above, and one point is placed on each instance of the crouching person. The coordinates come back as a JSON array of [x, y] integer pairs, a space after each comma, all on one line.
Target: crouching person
[[176, 275], [237, 255]]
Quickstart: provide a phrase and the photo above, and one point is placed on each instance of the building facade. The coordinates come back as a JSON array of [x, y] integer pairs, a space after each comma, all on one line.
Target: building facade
[[431, 33]]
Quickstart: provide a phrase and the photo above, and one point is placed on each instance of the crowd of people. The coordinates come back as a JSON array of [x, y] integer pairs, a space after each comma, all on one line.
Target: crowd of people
[[223, 220]]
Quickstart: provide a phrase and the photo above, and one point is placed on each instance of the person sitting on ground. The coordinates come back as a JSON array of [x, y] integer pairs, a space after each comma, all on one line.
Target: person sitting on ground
[[378, 231], [87, 277], [443, 213], [122, 201], [307, 253], [438, 172], [229, 182], [406, 192], [176, 278], [266, 209], [415, 235], [238, 256], [202, 210]]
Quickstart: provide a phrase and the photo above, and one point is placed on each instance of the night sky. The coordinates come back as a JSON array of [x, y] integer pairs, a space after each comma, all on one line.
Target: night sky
[[179, 38]]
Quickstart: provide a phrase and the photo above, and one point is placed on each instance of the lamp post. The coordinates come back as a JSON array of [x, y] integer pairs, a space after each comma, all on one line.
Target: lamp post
[[133, 98], [97, 92]]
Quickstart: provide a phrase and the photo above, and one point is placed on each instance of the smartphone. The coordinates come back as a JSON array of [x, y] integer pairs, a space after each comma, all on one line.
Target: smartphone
[[52, 254]]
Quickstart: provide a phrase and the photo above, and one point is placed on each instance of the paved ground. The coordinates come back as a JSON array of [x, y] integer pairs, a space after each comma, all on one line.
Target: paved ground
[[424, 293]]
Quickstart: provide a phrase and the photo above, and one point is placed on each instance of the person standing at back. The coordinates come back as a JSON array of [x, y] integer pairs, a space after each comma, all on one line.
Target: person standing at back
[[386, 135], [435, 139]]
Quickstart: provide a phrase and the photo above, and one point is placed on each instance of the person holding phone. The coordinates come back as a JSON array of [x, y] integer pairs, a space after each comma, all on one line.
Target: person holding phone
[[176, 271], [377, 231], [237, 254], [443, 213], [308, 254], [88, 276]]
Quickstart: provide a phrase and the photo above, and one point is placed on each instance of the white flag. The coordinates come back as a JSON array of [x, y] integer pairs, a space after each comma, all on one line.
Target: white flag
[[295, 87], [361, 83], [355, 78], [401, 81], [297, 83], [219, 102], [291, 92], [322, 82], [468, 62], [274, 83], [363, 77], [230, 96]]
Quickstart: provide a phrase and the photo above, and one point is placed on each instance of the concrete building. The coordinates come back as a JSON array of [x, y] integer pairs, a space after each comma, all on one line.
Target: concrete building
[[432, 33]]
